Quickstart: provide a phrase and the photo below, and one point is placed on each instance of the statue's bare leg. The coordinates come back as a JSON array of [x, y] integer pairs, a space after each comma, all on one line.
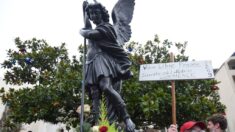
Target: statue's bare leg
[[96, 98], [106, 86]]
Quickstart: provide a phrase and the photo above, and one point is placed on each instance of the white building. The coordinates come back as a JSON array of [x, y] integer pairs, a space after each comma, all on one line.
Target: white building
[[226, 75]]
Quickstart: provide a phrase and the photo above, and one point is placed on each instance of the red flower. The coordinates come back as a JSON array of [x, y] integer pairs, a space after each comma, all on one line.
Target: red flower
[[103, 129]]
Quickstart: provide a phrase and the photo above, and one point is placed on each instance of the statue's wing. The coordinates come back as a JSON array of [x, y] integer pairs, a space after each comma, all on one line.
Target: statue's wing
[[122, 15]]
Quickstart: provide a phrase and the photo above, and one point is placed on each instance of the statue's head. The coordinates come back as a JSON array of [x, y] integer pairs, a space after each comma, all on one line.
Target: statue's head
[[97, 13]]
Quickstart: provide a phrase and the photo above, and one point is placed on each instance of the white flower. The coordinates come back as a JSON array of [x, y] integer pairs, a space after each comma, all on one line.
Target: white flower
[[150, 126], [95, 129], [87, 109]]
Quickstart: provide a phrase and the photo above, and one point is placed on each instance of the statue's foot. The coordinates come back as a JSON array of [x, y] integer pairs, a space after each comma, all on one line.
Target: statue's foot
[[130, 126]]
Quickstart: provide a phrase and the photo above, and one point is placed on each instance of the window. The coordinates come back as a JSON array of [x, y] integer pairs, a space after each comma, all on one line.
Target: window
[[231, 64]]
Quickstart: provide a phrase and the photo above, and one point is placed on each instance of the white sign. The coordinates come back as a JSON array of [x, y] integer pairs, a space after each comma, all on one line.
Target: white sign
[[176, 71]]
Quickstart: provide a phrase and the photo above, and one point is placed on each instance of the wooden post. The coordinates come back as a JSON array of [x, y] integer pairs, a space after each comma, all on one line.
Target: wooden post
[[173, 94]]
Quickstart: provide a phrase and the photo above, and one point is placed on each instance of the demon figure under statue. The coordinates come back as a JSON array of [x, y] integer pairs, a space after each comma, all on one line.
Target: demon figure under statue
[[107, 63]]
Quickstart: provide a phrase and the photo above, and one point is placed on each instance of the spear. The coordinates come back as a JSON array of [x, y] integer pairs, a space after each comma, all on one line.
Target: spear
[[83, 86], [83, 81], [83, 75]]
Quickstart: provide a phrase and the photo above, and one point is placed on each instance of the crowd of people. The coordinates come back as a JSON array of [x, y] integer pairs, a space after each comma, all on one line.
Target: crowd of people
[[215, 123]]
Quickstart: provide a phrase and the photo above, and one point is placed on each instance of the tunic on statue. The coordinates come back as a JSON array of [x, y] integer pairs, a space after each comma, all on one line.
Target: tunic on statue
[[105, 57]]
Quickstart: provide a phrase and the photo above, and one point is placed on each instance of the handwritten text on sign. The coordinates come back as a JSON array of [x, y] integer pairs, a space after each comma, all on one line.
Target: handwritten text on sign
[[176, 71]]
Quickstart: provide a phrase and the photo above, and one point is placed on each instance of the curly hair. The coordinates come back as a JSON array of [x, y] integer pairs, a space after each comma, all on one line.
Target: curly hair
[[104, 11]]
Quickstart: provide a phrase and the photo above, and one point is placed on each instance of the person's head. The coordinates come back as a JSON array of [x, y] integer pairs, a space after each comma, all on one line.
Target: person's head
[[217, 123], [97, 13], [192, 126]]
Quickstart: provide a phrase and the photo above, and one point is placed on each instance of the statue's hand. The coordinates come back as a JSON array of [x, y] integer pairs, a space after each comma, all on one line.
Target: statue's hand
[[83, 32], [85, 16], [84, 5]]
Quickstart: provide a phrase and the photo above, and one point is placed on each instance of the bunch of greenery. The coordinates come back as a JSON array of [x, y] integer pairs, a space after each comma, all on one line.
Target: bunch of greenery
[[103, 122]]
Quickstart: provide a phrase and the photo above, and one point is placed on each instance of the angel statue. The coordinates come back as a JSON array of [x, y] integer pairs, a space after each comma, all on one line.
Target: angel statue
[[107, 62]]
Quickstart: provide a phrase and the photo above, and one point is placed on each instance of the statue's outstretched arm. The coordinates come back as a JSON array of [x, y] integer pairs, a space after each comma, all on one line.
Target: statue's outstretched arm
[[91, 34]]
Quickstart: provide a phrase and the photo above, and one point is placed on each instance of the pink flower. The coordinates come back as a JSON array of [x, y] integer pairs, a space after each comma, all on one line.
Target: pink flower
[[103, 129]]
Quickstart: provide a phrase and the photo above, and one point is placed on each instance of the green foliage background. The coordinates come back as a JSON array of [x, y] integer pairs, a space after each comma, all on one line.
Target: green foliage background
[[54, 86], [150, 102]]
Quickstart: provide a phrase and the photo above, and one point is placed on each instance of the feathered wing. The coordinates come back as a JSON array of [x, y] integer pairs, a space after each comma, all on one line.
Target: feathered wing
[[122, 15]]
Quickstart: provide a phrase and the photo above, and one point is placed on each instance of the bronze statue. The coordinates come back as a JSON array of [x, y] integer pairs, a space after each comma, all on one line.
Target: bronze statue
[[107, 63]]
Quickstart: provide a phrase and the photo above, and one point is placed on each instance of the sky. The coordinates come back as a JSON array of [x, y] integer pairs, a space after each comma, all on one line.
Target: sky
[[207, 25]]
